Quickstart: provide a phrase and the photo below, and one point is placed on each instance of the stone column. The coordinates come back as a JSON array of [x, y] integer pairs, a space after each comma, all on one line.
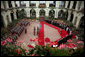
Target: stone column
[[69, 14], [78, 20], [6, 4], [13, 4], [28, 12], [37, 4], [77, 5], [47, 12], [57, 11], [9, 15], [82, 5], [66, 4], [57, 3], [18, 3], [27, 4], [2, 5], [15, 17], [47, 4], [37, 12], [74, 18], [4, 19], [71, 4]]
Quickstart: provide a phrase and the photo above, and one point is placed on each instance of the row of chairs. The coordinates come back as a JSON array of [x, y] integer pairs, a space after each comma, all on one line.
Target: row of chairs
[[17, 30], [25, 23]]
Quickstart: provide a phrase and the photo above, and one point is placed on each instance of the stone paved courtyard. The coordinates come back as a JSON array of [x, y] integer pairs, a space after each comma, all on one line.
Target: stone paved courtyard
[[49, 32]]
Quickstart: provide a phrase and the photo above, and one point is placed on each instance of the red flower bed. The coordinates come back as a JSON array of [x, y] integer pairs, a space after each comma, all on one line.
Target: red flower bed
[[73, 36], [79, 42], [30, 46], [19, 51], [3, 43], [20, 41], [69, 40], [47, 40], [30, 39], [61, 46], [8, 39], [53, 43], [71, 45]]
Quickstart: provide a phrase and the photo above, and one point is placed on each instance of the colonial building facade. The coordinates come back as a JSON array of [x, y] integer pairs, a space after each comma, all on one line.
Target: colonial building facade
[[73, 11]]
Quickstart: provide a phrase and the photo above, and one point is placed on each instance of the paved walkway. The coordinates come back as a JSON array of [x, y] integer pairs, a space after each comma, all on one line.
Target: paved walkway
[[51, 33], [48, 32]]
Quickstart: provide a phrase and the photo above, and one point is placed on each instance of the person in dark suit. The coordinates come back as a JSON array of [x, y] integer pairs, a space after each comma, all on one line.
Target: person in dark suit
[[37, 30]]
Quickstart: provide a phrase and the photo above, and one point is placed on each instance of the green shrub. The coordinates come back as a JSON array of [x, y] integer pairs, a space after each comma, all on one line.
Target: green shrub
[[48, 51], [3, 31], [10, 50], [78, 52]]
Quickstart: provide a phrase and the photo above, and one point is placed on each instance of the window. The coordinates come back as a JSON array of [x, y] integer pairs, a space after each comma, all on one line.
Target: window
[[32, 3], [51, 3], [42, 4], [23, 3]]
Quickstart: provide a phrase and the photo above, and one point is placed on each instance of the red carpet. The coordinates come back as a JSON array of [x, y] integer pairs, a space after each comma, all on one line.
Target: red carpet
[[64, 33], [41, 32]]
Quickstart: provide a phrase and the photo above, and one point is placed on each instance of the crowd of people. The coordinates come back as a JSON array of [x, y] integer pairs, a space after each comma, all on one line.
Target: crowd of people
[[60, 24], [36, 31]]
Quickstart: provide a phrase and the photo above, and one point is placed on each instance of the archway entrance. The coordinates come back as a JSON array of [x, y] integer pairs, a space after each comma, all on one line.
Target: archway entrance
[[42, 14], [32, 13], [17, 14], [12, 16], [66, 15], [82, 22], [71, 18], [61, 14], [51, 14], [2, 24], [21, 14]]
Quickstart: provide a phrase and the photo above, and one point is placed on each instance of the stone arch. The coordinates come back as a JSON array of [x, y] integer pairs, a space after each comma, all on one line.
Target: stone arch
[[71, 17], [42, 13], [61, 14], [21, 13], [81, 23], [32, 13], [51, 13]]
